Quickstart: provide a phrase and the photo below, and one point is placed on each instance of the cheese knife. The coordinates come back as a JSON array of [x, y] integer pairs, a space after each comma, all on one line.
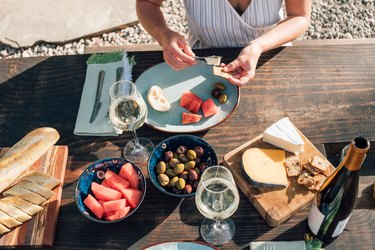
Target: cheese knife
[[98, 104]]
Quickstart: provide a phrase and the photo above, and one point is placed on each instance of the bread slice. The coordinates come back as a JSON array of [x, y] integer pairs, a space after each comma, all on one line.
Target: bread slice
[[219, 72], [45, 192], [41, 179], [293, 166], [14, 212], [3, 229], [22, 204], [322, 165], [311, 169], [25, 194], [310, 181], [8, 221]]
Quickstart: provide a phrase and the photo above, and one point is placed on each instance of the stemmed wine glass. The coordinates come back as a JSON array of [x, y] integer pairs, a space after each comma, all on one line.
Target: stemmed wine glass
[[128, 112], [217, 199]]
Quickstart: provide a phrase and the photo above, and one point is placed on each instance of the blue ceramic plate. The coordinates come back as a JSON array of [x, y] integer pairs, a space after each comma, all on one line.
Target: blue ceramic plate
[[181, 245], [83, 187], [200, 80], [172, 143]]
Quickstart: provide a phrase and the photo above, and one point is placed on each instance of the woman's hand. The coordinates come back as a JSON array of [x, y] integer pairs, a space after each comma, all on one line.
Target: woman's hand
[[242, 69], [176, 51]]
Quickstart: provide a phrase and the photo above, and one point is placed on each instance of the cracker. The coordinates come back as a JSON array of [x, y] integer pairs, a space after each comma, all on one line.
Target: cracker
[[219, 72], [310, 181], [321, 164], [311, 169], [293, 166]]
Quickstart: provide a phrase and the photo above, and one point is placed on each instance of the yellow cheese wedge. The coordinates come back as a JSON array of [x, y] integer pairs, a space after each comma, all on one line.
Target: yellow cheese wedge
[[45, 192], [264, 167], [3, 229], [14, 212], [41, 179], [22, 204], [25, 194], [8, 221]]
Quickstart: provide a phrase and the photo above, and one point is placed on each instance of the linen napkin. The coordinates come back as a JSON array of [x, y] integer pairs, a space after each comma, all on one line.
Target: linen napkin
[[278, 245], [101, 126]]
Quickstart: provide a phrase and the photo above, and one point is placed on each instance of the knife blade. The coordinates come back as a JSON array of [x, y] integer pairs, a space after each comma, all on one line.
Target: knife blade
[[98, 104]]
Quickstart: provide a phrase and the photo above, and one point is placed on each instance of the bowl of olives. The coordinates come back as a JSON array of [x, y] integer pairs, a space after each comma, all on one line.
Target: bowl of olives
[[176, 164]]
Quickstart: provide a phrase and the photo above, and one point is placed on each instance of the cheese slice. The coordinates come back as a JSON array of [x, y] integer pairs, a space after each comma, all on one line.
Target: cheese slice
[[3, 229], [265, 167], [22, 204], [8, 221], [14, 212], [25, 194], [45, 192], [283, 134], [41, 179]]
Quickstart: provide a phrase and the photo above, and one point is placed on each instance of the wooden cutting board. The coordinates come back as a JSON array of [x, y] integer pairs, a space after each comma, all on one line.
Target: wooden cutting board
[[275, 205], [40, 230]]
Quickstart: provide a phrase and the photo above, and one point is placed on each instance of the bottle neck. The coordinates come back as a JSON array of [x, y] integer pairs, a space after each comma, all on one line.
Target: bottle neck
[[356, 154]]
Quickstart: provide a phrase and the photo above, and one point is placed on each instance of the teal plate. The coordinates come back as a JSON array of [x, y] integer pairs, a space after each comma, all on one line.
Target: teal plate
[[200, 80]]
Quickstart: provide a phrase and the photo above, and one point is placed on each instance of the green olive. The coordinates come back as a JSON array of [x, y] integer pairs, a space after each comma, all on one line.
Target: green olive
[[161, 167], [183, 158], [173, 181], [223, 98], [189, 165], [191, 154], [179, 168], [180, 184], [170, 173], [220, 86], [163, 180], [173, 162]]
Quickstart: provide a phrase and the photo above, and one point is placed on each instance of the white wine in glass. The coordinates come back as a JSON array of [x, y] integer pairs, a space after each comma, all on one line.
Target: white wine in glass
[[217, 199], [128, 112]]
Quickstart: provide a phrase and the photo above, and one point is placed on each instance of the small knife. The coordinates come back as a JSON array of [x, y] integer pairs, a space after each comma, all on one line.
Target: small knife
[[98, 104]]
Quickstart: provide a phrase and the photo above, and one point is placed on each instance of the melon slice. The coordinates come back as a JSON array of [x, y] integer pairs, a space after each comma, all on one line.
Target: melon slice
[[104, 193], [132, 196], [209, 108], [188, 118], [190, 101], [113, 205], [94, 206], [115, 181], [127, 172], [117, 214]]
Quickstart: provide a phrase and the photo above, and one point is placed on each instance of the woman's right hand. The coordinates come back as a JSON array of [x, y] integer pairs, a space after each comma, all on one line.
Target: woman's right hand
[[176, 51]]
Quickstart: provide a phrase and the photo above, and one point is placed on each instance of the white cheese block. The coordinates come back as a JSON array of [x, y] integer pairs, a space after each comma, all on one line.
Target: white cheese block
[[264, 167], [283, 134]]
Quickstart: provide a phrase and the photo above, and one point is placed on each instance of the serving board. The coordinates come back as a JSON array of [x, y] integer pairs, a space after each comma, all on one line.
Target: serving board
[[40, 230], [275, 205]]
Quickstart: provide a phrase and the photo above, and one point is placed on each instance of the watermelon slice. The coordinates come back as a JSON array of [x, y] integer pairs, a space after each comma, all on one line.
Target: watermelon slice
[[105, 183], [115, 181], [117, 214], [188, 118], [104, 193], [190, 101], [101, 202], [209, 108], [132, 196], [94, 206], [127, 172], [113, 205]]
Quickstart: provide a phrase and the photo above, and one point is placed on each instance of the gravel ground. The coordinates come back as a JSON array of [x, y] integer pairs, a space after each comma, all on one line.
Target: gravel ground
[[330, 19]]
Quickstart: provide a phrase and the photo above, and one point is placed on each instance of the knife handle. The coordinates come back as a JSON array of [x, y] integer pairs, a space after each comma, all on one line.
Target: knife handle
[[119, 72], [100, 85]]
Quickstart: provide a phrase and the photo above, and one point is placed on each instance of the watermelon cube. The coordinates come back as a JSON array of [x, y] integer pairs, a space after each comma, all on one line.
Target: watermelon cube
[[94, 206], [209, 108], [101, 202], [132, 196], [104, 193], [127, 172], [113, 205], [188, 118], [115, 181], [117, 214], [105, 183], [190, 101]]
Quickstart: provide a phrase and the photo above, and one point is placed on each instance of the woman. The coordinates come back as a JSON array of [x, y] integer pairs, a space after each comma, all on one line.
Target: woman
[[255, 25]]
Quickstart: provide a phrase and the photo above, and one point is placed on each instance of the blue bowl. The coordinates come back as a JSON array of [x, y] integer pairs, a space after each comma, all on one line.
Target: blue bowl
[[83, 187], [172, 143]]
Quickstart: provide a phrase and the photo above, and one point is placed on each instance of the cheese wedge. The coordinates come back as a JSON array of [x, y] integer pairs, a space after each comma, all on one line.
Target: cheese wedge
[[283, 134], [45, 192], [157, 100], [14, 212], [8, 221], [265, 167], [3, 229], [22, 204], [41, 179], [25, 194]]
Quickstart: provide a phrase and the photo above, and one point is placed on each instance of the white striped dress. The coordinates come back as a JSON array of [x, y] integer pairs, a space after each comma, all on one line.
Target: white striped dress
[[215, 23]]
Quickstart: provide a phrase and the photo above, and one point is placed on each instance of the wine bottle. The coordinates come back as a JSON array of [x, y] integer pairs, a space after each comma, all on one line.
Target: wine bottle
[[337, 197]]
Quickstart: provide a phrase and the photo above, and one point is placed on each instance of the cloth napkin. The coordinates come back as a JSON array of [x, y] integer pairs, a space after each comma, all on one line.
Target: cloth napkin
[[278, 245], [101, 126]]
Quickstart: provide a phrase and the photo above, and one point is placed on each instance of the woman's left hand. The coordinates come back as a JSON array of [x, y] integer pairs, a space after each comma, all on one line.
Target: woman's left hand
[[242, 69]]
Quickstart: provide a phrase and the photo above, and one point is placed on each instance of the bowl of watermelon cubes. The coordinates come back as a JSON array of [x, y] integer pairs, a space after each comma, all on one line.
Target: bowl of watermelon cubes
[[110, 190], [176, 164]]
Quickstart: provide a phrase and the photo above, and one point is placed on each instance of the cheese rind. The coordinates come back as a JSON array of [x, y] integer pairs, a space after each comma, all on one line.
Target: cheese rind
[[264, 167], [283, 134]]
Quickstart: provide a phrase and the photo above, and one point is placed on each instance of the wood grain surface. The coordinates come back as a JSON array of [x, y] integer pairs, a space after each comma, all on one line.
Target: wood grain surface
[[275, 205], [40, 230], [327, 91]]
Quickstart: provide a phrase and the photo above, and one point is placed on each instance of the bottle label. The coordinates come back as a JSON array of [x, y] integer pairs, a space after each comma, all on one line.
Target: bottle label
[[315, 219], [340, 227]]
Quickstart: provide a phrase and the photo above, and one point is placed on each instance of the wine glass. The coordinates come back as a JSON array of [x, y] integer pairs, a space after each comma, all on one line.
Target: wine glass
[[217, 199], [128, 112]]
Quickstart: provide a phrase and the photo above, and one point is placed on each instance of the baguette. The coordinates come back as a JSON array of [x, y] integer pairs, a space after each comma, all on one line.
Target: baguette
[[25, 153]]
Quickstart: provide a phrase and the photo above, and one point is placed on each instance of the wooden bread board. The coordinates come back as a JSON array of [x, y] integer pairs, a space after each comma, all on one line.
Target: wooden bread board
[[40, 230], [274, 205]]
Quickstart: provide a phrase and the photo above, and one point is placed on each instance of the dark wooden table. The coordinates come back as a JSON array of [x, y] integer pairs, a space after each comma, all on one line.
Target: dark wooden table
[[327, 91]]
